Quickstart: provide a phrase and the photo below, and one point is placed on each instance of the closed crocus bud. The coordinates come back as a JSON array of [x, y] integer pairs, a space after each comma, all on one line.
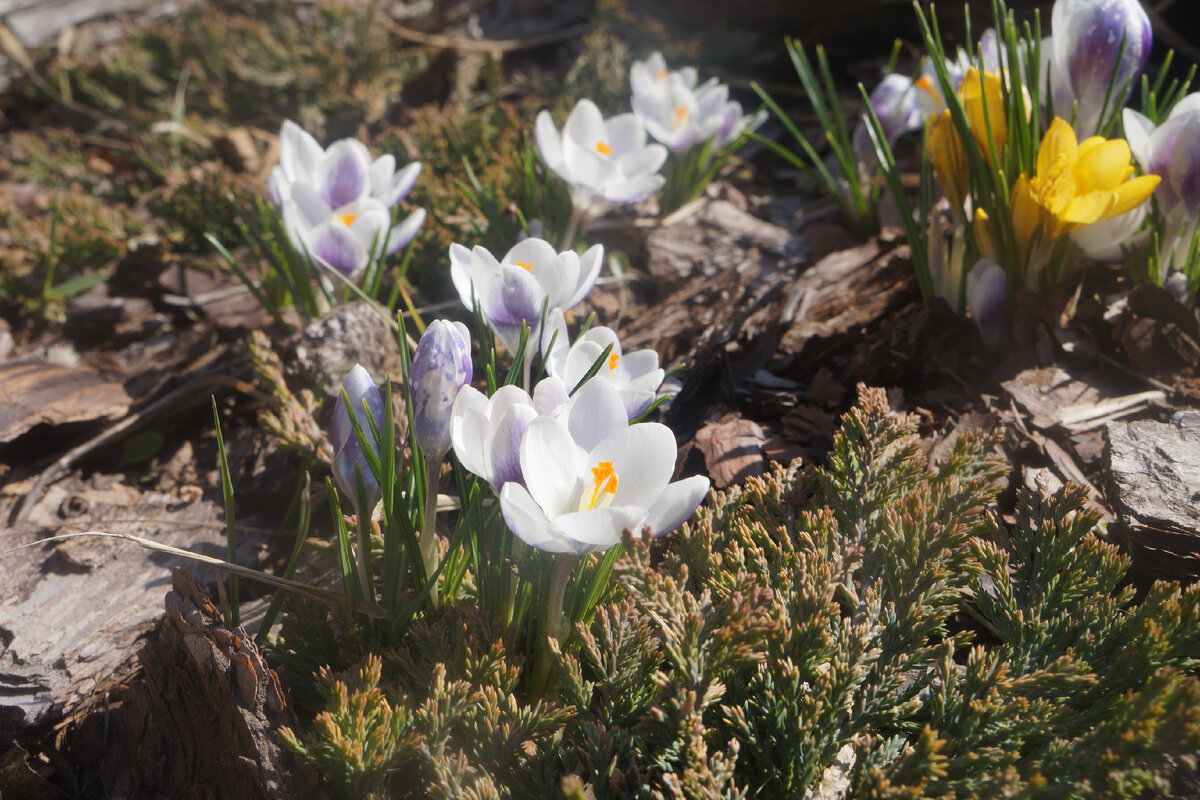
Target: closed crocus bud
[[1100, 47], [348, 458], [986, 295], [440, 368]]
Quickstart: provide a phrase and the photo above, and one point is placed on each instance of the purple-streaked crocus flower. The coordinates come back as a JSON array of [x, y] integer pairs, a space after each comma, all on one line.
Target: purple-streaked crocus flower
[[337, 203], [1098, 48], [681, 114], [606, 162], [895, 102], [441, 367], [1172, 151], [349, 462], [986, 299], [511, 291], [636, 376], [486, 432]]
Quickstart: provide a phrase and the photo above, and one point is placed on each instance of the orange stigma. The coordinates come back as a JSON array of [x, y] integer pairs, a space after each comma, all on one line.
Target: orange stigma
[[347, 219], [662, 73], [525, 265], [603, 149], [604, 481], [681, 114], [612, 361]]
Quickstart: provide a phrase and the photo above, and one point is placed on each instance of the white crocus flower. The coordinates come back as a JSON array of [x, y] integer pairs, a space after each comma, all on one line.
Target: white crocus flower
[[681, 114], [605, 161], [337, 203], [588, 476], [636, 376], [486, 432], [512, 290], [650, 76]]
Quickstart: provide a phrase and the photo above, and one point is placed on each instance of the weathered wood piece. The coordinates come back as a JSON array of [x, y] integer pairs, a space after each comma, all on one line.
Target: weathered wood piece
[[1154, 485], [203, 721], [71, 613], [36, 392]]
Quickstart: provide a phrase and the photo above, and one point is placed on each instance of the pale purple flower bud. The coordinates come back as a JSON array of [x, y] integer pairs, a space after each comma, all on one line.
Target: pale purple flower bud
[[894, 102], [1090, 59], [986, 298], [440, 368], [348, 458]]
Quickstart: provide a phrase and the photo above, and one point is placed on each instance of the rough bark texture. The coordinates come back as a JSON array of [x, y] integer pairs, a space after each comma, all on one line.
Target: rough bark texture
[[202, 722], [1154, 473]]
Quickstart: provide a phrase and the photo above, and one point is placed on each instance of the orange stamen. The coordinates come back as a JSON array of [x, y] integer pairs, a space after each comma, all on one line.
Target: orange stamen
[[604, 481], [681, 114], [347, 219], [525, 265], [603, 149], [612, 361], [662, 73]]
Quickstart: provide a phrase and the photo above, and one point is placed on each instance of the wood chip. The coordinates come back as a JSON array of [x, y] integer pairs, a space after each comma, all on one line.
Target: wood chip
[[39, 393], [1154, 471], [733, 449]]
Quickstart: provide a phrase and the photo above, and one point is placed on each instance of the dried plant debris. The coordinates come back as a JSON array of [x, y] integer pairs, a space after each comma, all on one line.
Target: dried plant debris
[[866, 629]]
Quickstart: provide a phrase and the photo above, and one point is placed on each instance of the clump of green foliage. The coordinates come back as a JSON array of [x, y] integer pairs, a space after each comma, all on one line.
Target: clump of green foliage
[[865, 629]]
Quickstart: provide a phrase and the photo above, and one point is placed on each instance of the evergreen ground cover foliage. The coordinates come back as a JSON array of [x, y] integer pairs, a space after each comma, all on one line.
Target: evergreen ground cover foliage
[[863, 629]]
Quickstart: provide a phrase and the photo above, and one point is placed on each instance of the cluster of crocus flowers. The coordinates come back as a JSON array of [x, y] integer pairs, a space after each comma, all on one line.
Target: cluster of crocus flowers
[[513, 292], [571, 472], [681, 114], [337, 203]]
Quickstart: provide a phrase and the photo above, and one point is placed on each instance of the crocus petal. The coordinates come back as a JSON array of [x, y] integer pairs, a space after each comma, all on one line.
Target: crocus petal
[[528, 522], [550, 396], [343, 175], [1133, 193], [311, 208], [986, 295], [551, 463], [404, 232], [548, 141], [643, 457], [460, 274], [334, 245], [598, 529], [504, 452], [299, 152], [676, 505], [589, 270], [401, 184], [595, 413]]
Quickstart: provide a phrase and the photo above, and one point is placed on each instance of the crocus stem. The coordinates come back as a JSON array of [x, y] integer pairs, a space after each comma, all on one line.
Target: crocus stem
[[578, 218], [555, 625], [363, 526], [433, 469], [556, 621]]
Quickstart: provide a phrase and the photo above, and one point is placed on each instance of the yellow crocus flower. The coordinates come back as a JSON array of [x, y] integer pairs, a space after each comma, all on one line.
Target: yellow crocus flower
[[982, 98], [948, 157], [1077, 183]]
